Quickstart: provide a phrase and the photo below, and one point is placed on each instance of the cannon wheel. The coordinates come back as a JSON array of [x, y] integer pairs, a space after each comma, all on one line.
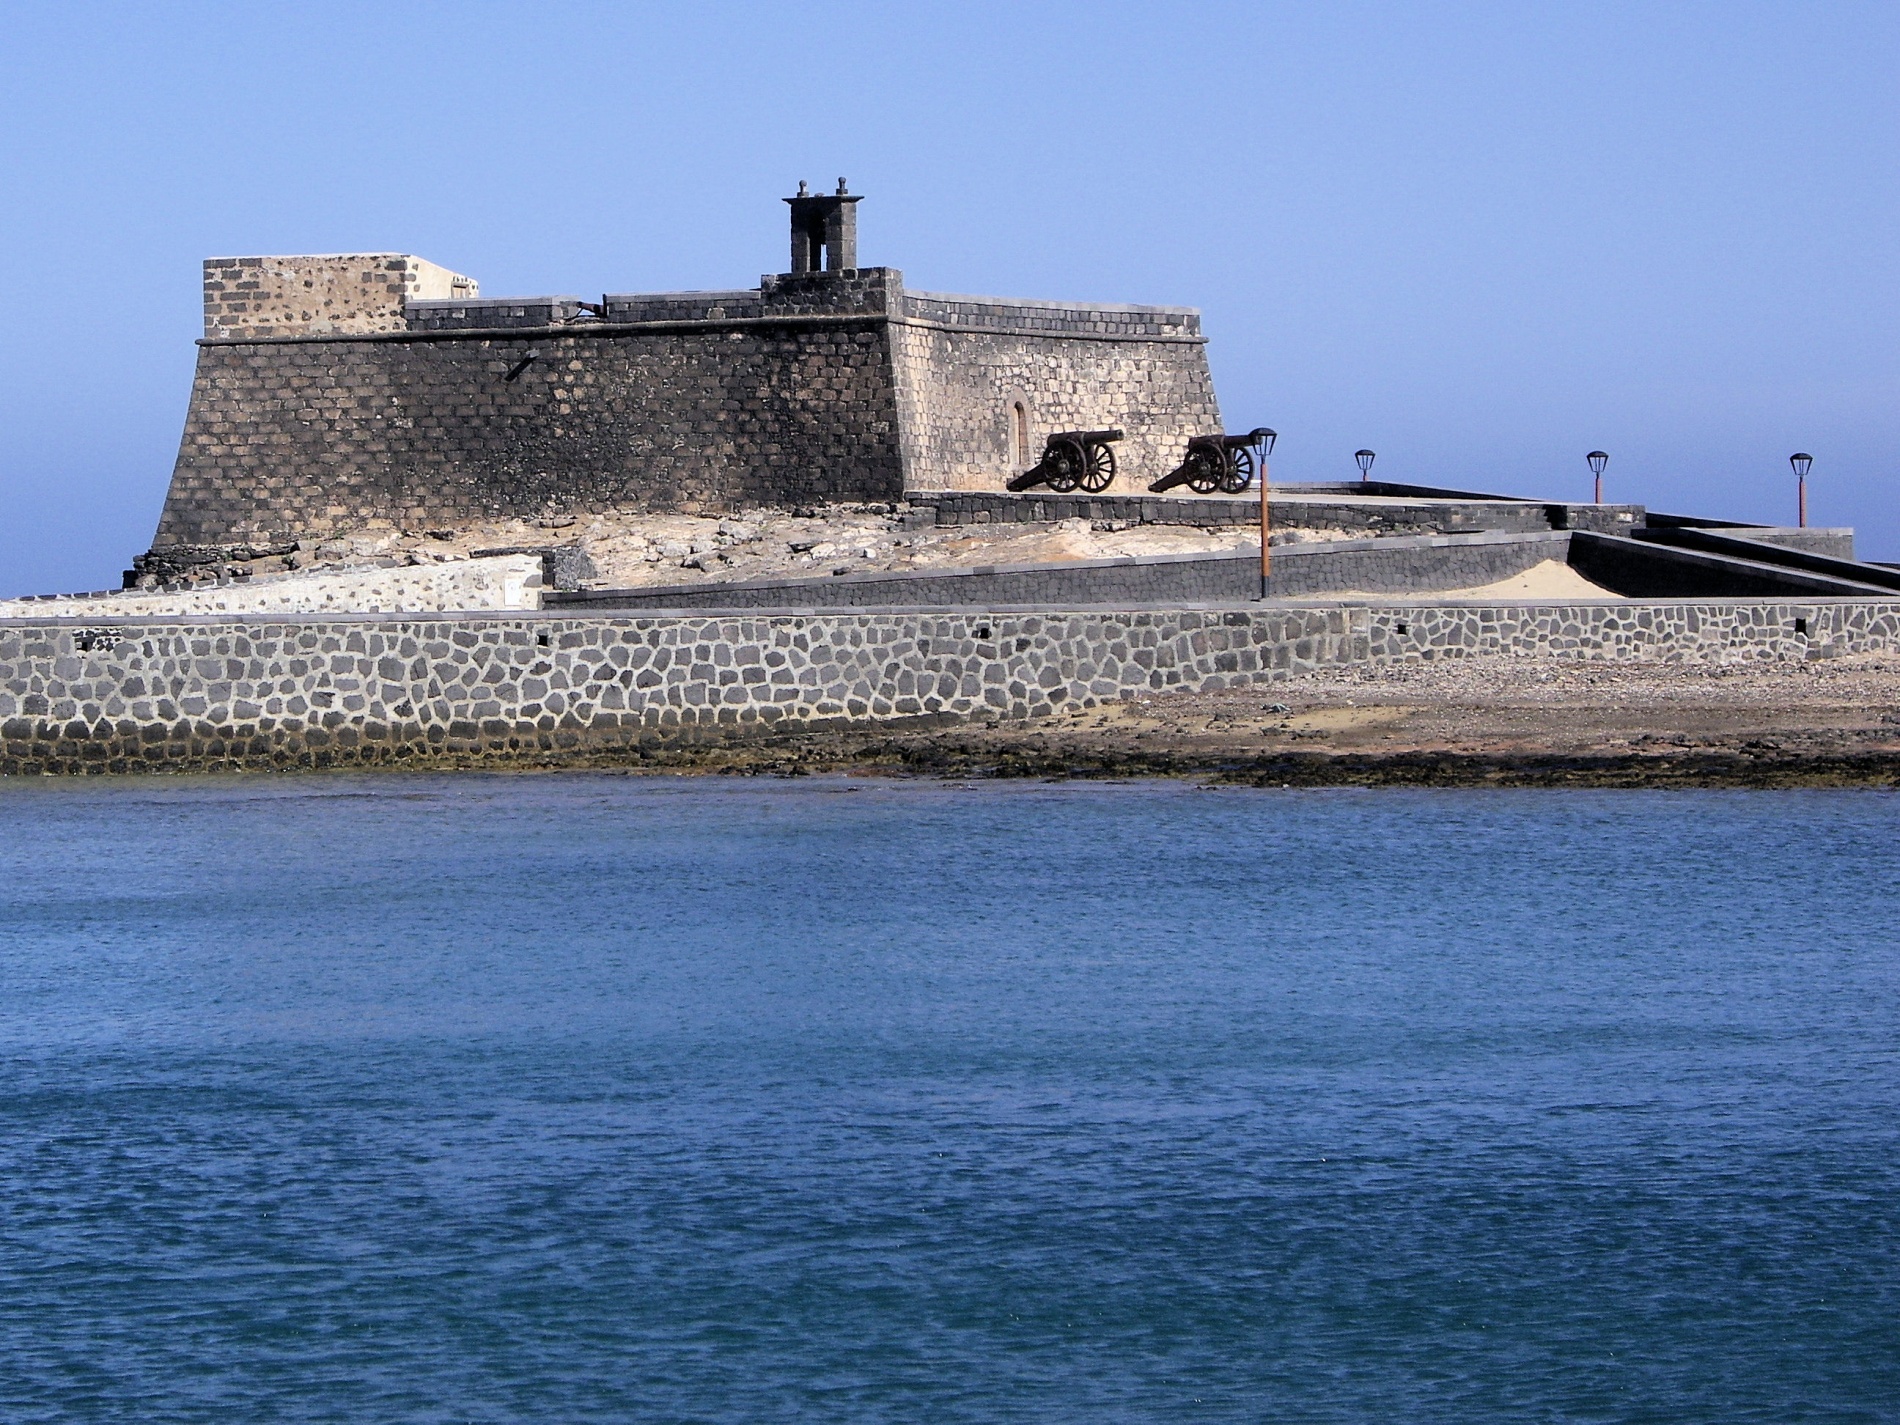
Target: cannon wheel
[[1239, 471], [1067, 465], [1207, 474], [1098, 468]]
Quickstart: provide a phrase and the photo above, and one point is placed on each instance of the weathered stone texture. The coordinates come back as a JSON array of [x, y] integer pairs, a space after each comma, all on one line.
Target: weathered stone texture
[[1369, 566], [288, 440], [374, 689], [814, 387], [1291, 507], [301, 296], [1689, 630], [964, 363], [304, 692], [512, 581]]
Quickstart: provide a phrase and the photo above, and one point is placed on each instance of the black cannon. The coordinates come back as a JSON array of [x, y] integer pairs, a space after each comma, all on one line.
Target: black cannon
[[1071, 458], [1215, 462]]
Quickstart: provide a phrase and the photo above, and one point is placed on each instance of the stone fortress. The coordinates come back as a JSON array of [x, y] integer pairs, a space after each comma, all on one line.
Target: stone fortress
[[392, 528], [341, 393]]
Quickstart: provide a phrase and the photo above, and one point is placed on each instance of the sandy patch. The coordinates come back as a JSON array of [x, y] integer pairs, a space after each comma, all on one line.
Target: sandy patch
[[1549, 580]]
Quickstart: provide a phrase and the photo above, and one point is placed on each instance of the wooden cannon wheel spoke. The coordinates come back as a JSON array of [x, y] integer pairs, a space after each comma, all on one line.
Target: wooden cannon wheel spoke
[[1065, 467], [1206, 476], [1239, 473], [1098, 471]]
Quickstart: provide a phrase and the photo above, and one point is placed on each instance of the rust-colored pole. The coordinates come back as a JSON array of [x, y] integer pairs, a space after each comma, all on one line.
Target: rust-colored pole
[[1266, 553]]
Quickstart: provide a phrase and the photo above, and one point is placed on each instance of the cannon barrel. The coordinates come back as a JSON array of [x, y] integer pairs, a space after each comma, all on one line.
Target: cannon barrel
[[1239, 442]]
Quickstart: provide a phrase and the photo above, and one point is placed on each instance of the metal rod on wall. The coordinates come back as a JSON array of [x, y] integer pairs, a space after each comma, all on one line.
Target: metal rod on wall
[[1265, 446]]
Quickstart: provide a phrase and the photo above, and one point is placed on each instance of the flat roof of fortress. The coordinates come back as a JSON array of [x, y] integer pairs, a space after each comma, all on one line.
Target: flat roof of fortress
[[717, 294]]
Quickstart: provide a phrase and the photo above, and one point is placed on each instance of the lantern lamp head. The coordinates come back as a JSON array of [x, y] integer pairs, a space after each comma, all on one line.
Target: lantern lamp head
[[1598, 459], [1801, 460], [1365, 459]]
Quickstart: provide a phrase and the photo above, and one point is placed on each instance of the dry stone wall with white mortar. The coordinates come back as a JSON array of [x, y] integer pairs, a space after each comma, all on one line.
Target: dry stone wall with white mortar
[[311, 690]]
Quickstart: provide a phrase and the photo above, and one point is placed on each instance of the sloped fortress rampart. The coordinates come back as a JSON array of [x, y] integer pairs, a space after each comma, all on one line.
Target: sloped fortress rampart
[[376, 391]]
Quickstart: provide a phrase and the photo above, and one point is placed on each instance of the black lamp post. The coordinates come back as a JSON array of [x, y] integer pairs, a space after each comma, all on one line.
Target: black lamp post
[[1365, 459], [1800, 461], [1597, 461]]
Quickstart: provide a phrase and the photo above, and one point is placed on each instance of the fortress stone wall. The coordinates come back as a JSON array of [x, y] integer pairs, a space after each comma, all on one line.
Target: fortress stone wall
[[965, 365], [311, 690], [310, 296], [379, 391]]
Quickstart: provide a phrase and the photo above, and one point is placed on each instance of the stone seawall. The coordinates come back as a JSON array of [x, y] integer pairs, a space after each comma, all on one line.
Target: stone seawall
[[305, 691]]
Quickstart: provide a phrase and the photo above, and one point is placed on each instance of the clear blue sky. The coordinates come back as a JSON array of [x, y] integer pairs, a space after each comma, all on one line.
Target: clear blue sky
[[1479, 238]]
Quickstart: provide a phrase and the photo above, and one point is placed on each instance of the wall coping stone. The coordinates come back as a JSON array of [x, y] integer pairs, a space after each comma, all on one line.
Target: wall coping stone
[[666, 324], [1047, 305], [531, 618], [1027, 307], [588, 328]]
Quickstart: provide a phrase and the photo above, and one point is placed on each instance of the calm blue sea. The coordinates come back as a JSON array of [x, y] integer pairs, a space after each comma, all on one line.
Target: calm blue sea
[[577, 1098]]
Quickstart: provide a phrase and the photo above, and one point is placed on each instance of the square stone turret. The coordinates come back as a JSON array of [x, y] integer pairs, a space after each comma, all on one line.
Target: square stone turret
[[326, 295], [824, 231]]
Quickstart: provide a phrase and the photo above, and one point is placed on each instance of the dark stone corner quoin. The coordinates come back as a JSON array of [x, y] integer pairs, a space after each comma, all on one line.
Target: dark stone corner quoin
[[378, 390]]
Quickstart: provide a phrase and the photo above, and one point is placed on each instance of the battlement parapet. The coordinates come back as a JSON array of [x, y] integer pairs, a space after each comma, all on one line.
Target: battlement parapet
[[322, 294], [493, 312], [682, 306], [383, 295], [1013, 315], [860, 291]]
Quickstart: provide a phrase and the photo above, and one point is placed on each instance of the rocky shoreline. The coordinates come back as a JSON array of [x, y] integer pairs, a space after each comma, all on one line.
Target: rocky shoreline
[[1470, 722]]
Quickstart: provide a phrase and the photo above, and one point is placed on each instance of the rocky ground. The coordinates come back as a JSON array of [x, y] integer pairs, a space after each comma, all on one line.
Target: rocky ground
[[635, 550], [1506, 721], [631, 551]]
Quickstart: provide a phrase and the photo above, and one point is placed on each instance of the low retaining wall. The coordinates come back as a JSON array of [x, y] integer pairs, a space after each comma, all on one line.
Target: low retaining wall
[[1780, 553], [1365, 566], [1836, 542], [377, 689], [507, 582], [1289, 507]]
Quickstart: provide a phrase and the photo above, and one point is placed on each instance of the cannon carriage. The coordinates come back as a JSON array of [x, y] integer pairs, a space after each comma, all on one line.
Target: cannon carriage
[[1226, 463], [1071, 458]]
